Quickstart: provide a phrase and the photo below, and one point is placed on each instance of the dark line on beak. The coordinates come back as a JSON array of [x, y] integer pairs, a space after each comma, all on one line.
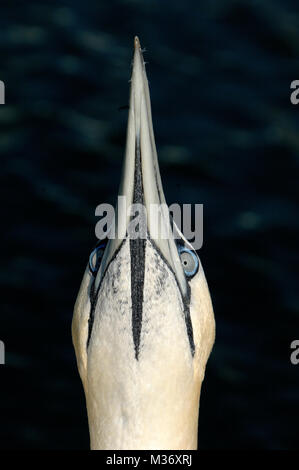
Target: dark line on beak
[[185, 300], [93, 295], [137, 255]]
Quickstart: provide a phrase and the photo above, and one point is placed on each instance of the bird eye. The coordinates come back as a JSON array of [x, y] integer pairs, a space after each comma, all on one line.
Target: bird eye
[[189, 261], [95, 257]]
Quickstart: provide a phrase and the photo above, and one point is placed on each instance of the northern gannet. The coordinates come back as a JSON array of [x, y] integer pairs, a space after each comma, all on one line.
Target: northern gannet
[[143, 324]]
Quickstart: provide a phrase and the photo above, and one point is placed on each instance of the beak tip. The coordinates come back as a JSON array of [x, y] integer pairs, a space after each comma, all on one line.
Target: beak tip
[[136, 42]]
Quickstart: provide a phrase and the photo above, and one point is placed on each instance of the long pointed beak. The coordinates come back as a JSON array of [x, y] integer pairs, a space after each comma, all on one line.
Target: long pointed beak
[[141, 180]]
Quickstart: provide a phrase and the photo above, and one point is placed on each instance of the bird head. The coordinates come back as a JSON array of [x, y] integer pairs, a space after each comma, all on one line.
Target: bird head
[[143, 324]]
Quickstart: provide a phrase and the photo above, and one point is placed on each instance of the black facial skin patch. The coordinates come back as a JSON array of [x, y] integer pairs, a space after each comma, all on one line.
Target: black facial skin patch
[[137, 254]]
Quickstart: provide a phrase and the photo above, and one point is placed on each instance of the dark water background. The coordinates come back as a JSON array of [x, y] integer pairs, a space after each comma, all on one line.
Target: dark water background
[[227, 137]]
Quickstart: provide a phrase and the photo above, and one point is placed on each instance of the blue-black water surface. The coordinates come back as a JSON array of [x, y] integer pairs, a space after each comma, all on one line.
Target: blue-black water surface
[[227, 137]]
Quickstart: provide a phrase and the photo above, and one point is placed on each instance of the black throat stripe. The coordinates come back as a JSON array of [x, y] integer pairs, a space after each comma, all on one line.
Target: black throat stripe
[[137, 255]]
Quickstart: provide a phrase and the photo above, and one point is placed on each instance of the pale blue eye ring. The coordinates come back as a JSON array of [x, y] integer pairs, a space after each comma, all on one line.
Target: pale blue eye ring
[[93, 266], [189, 261]]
